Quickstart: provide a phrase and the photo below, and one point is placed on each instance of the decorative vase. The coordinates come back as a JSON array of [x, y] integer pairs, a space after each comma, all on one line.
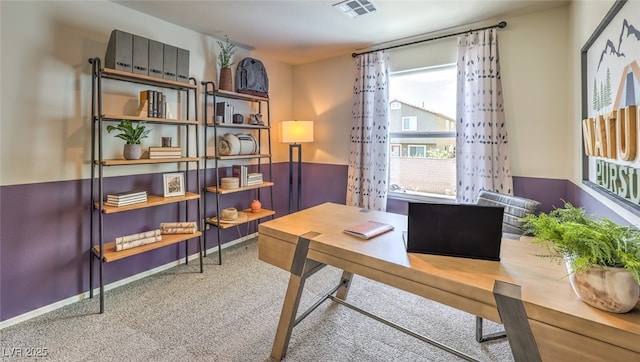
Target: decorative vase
[[132, 152], [256, 206], [225, 79], [607, 288]]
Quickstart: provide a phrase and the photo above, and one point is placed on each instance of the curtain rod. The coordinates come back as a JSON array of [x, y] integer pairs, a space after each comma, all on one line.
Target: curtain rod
[[501, 25]]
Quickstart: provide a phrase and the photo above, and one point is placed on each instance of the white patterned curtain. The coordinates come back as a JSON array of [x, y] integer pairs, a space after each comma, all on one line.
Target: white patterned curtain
[[481, 132], [369, 141]]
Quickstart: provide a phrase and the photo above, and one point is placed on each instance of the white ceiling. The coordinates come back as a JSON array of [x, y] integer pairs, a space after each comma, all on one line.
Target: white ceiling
[[303, 31]]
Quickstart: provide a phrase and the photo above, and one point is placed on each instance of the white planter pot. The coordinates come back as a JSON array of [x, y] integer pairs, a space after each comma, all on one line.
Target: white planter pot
[[609, 289]]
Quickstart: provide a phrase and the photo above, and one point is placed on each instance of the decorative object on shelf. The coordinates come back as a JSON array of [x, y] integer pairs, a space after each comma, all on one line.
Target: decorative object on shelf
[[229, 183], [256, 206], [598, 254], [186, 227], [230, 215], [166, 141], [256, 120], [133, 240], [227, 49], [238, 144], [131, 134], [173, 184], [238, 118], [224, 110], [251, 78], [295, 133]]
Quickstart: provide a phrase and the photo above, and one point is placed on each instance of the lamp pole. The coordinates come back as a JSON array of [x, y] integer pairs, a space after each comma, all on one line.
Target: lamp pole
[[298, 146]]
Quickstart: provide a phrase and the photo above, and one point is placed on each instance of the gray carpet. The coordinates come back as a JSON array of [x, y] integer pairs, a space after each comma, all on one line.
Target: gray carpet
[[230, 313]]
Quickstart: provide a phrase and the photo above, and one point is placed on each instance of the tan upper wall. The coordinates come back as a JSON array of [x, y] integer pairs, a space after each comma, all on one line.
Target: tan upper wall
[[535, 82], [46, 84]]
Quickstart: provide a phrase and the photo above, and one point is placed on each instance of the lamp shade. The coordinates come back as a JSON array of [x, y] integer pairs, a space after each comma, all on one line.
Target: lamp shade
[[297, 131]]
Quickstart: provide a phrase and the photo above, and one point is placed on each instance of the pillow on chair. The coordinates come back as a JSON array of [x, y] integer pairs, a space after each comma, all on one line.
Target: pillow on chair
[[515, 208]]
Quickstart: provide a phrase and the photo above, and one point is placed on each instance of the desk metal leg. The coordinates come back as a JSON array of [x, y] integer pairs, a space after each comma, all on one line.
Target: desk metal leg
[[514, 317], [300, 270], [345, 284]]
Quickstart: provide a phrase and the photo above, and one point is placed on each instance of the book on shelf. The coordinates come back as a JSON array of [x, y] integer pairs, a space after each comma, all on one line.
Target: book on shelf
[[369, 229], [254, 178], [126, 195], [126, 202], [152, 104], [240, 171], [165, 152]]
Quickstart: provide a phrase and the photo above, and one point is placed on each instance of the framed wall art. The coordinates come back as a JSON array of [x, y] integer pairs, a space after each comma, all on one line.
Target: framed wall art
[[173, 184], [611, 104]]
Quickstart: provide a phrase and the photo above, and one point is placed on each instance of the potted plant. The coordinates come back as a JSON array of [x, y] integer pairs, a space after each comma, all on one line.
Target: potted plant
[[225, 60], [131, 134], [602, 257]]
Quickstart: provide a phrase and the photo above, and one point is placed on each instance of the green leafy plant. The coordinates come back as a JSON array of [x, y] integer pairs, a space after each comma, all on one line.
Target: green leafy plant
[[570, 234], [227, 49], [130, 133]]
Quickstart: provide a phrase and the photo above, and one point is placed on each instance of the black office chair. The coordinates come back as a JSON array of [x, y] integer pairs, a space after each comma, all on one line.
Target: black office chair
[[515, 208]]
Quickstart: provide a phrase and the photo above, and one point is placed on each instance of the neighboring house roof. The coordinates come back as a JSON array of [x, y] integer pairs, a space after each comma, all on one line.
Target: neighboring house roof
[[423, 109]]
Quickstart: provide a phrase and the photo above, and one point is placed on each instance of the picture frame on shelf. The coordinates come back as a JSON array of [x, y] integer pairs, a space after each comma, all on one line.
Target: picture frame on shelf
[[173, 184]]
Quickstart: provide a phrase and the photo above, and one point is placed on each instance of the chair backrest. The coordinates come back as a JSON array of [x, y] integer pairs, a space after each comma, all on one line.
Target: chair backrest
[[515, 208]]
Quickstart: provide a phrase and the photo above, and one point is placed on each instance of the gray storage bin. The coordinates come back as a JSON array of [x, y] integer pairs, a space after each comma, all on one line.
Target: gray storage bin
[[119, 51]]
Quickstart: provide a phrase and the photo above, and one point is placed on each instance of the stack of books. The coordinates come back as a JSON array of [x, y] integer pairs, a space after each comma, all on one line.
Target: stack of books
[[254, 178], [126, 198], [240, 171], [152, 104], [165, 152]]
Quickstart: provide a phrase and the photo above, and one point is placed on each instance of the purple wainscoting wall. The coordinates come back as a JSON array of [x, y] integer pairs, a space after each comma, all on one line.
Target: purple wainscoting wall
[[44, 239], [45, 227]]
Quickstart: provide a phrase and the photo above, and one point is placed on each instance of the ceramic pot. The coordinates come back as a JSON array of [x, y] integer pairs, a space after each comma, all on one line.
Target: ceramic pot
[[256, 206], [225, 80], [132, 152], [610, 289]]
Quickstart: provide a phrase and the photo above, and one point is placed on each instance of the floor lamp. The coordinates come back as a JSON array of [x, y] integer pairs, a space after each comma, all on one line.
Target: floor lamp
[[295, 133]]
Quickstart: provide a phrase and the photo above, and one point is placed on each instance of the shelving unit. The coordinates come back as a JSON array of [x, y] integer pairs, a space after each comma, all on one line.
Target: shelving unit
[[261, 159], [105, 252]]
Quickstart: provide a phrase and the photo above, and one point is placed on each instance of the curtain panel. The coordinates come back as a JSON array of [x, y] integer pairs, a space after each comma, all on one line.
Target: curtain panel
[[482, 157], [369, 137]]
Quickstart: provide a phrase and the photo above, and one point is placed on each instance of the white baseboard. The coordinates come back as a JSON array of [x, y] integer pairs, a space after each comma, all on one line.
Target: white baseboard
[[76, 298]]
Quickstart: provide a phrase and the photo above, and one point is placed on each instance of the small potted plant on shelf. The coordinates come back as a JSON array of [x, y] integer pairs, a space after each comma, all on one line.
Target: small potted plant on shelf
[[227, 49], [132, 134], [602, 257]]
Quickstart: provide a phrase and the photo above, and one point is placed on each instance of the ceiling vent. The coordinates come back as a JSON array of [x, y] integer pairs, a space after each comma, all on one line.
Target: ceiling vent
[[354, 8]]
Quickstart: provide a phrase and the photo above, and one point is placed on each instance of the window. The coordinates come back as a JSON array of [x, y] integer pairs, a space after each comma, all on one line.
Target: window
[[422, 132], [396, 150], [417, 151], [409, 123]]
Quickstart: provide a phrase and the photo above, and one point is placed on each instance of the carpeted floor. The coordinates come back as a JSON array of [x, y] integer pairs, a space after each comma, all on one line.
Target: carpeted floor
[[230, 313]]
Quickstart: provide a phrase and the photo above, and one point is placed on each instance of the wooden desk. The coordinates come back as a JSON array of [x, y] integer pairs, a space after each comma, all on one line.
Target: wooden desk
[[564, 327]]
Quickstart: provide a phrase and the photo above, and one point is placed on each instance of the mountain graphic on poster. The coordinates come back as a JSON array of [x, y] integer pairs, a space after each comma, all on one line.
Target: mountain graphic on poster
[[628, 31]]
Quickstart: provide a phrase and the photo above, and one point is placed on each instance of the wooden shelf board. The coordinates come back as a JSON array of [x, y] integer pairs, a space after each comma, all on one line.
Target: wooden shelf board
[[239, 189], [152, 200], [241, 96], [142, 161], [145, 79], [238, 157], [236, 125], [110, 253], [118, 117], [250, 215]]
